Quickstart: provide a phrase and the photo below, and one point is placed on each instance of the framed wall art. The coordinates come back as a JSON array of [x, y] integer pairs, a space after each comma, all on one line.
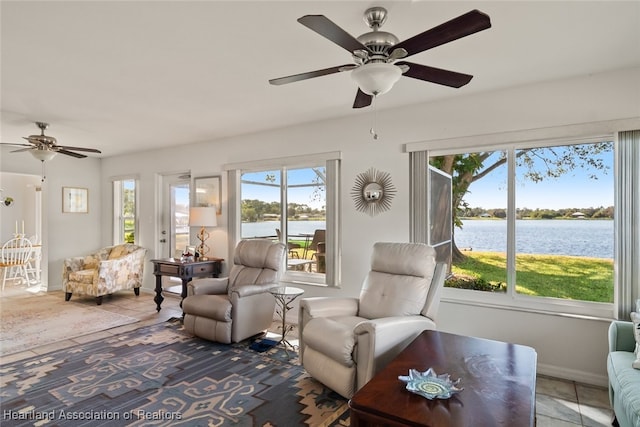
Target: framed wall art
[[208, 192], [75, 200]]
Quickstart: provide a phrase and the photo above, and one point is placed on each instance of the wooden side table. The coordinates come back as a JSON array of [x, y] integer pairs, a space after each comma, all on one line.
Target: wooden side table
[[284, 296], [186, 271]]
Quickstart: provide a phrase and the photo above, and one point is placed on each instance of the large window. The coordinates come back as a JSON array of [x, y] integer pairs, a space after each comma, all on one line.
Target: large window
[[534, 220], [295, 201], [124, 211], [535, 223]]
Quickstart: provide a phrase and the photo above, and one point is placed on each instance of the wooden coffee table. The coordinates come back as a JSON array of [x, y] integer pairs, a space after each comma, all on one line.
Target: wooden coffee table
[[499, 381]]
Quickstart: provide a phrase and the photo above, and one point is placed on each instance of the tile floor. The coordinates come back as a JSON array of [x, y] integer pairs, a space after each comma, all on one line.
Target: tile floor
[[559, 403]]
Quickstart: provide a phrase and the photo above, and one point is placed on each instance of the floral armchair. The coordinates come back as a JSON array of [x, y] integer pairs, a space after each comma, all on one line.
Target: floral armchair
[[104, 272]]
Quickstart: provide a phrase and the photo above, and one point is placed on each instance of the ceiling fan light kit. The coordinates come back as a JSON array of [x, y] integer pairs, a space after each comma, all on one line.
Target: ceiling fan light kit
[[375, 53], [376, 78], [43, 154]]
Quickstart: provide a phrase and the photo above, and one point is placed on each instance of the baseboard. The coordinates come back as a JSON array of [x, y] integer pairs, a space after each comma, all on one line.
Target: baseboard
[[573, 375]]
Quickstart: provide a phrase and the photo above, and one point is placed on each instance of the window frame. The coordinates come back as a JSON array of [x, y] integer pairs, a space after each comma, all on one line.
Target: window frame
[[331, 162], [564, 135], [118, 220]]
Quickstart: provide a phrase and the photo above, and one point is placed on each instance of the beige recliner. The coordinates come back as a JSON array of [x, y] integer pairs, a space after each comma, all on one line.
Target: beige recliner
[[233, 308], [345, 341]]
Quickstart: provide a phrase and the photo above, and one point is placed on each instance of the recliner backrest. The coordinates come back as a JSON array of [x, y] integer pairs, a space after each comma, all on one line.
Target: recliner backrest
[[256, 262], [399, 280]]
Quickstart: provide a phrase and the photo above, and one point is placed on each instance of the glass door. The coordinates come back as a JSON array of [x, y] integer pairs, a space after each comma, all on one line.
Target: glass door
[[175, 228]]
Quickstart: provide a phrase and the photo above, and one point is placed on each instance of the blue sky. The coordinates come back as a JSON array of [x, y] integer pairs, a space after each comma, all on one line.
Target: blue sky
[[301, 195], [572, 190]]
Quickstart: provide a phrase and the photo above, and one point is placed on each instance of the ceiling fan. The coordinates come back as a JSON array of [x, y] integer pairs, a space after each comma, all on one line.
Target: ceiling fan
[[44, 147], [375, 53]]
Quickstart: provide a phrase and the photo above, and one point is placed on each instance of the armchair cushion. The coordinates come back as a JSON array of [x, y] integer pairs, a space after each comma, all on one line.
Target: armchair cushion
[[83, 276]]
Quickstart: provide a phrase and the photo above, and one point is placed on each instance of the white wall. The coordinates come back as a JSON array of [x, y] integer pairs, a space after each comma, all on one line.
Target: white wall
[[569, 347], [63, 234]]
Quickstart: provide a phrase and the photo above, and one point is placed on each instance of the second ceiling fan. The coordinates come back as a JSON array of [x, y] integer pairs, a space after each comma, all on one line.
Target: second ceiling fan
[[377, 53]]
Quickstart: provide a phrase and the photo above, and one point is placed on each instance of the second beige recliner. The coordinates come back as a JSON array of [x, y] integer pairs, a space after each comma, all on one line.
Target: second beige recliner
[[344, 342], [237, 307]]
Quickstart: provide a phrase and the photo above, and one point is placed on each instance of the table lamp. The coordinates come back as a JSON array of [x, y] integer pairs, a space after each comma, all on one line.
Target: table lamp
[[203, 217]]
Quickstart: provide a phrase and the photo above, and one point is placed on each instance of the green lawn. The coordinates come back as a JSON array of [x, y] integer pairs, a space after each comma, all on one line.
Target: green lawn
[[567, 277]]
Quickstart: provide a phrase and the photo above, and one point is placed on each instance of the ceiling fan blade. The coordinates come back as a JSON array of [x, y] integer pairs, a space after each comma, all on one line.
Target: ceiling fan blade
[[362, 99], [309, 75], [464, 25], [436, 75], [328, 29], [90, 150], [13, 144], [21, 150], [71, 153]]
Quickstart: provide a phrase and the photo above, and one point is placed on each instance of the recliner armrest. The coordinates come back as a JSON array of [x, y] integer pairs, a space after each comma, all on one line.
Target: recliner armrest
[[329, 306], [248, 290], [208, 286]]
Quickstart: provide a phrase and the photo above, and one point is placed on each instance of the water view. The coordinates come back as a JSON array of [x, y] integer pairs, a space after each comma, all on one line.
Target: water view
[[558, 237], [268, 228]]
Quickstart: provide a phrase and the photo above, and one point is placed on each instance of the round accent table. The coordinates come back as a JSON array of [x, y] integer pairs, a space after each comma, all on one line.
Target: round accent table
[[284, 296]]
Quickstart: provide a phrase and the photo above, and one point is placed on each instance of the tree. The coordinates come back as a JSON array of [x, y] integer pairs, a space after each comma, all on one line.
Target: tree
[[540, 163]]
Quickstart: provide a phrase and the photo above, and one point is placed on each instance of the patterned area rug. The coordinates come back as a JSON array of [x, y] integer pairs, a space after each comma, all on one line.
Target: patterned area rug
[[159, 375], [28, 322]]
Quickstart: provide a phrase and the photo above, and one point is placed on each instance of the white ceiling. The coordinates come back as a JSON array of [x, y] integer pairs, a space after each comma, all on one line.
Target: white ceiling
[[124, 76]]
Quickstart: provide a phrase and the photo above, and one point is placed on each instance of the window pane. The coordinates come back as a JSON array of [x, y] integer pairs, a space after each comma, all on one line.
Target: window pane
[[306, 219], [260, 204], [129, 210], [180, 217], [564, 229], [124, 204]]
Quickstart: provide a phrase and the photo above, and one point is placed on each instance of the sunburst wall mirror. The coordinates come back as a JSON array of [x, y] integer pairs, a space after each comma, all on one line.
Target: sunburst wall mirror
[[373, 191]]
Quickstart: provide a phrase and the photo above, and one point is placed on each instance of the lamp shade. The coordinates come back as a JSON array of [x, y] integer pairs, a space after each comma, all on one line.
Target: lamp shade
[[376, 78], [203, 216], [43, 155]]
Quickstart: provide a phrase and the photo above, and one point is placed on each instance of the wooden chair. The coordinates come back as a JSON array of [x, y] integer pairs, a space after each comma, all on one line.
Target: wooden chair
[[317, 249], [16, 255]]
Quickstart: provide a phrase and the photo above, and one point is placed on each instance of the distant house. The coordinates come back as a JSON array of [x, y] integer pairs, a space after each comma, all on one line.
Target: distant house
[[578, 215]]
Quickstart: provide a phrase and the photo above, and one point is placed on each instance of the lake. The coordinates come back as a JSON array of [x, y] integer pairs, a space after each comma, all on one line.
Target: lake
[[557, 237], [268, 228]]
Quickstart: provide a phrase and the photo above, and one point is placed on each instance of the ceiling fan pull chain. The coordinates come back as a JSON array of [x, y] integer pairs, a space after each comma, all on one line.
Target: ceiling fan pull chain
[[43, 177], [372, 131]]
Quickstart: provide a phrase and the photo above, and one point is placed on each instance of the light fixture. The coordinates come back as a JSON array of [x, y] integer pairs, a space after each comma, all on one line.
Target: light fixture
[[43, 154], [376, 78], [203, 217]]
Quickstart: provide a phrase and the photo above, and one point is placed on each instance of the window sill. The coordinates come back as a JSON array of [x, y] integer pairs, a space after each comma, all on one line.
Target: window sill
[[540, 305]]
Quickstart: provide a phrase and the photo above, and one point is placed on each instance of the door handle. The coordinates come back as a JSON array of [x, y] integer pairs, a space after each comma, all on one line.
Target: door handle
[[163, 240]]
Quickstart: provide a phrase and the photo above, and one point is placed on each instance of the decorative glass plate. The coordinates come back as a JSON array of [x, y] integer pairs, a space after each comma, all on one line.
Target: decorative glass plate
[[430, 385]]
